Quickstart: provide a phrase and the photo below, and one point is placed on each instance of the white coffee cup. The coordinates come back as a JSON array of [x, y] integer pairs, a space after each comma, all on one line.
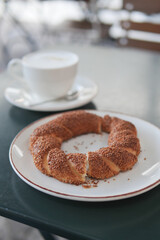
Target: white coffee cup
[[48, 74]]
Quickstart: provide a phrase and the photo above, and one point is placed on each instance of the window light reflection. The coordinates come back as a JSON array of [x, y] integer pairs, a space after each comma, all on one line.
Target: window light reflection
[[151, 169], [17, 151]]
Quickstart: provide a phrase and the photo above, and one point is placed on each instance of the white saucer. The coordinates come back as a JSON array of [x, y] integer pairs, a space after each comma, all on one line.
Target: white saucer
[[20, 97]]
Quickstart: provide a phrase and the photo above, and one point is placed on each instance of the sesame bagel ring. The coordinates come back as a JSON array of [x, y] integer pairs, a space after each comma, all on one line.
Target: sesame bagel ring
[[120, 155]]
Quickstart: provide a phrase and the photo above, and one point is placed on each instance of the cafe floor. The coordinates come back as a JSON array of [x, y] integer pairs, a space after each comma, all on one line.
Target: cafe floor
[[11, 230]]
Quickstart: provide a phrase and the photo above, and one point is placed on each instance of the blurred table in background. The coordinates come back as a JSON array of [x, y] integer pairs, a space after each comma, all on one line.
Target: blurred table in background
[[128, 82], [99, 22]]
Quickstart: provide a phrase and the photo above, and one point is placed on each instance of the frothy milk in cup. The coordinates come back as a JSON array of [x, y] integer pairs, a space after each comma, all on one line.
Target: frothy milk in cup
[[50, 60], [48, 74]]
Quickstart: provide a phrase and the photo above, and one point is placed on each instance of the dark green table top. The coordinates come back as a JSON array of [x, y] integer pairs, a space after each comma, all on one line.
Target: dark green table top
[[128, 82]]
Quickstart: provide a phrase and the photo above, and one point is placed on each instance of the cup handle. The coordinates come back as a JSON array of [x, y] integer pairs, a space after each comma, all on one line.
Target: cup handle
[[14, 68]]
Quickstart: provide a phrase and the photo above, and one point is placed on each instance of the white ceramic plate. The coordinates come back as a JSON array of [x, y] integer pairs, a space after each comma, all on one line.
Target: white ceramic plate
[[21, 97], [144, 176]]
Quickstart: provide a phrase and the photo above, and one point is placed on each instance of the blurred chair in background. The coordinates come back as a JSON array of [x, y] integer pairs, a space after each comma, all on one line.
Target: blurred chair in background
[[141, 28]]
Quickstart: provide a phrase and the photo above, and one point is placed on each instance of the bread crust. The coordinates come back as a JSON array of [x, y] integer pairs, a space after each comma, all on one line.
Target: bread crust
[[120, 155]]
